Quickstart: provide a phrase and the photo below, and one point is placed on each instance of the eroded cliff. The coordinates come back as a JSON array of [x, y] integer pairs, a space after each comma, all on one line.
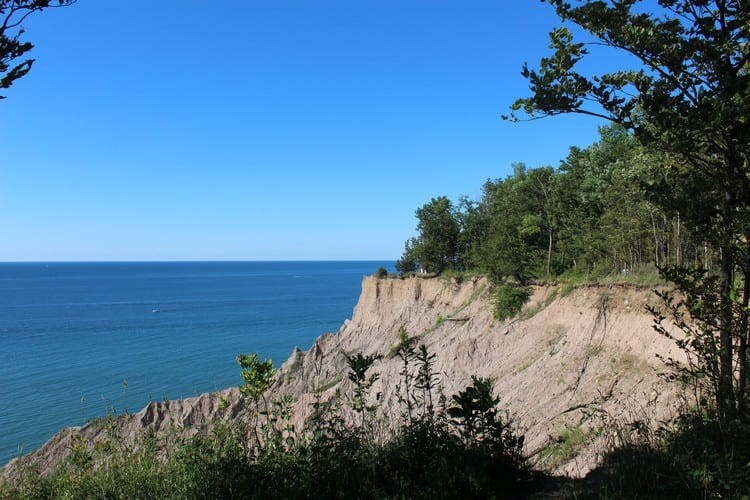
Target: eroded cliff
[[562, 368]]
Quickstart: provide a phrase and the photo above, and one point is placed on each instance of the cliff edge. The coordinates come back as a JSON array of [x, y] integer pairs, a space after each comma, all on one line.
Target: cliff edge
[[571, 361]]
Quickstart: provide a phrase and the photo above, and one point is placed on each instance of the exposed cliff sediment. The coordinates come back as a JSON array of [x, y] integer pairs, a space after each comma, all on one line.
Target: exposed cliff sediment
[[559, 367], [562, 362]]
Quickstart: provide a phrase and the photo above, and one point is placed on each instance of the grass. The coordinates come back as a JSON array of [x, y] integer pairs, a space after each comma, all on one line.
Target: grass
[[648, 275], [567, 445], [440, 321], [421, 460], [525, 365], [566, 289], [330, 384], [695, 457], [535, 309], [555, 333]]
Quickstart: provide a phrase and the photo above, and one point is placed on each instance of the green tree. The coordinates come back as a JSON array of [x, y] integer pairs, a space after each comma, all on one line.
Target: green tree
[[474, 221], [521, 229], [408, 261], [604, 215], [12, 47], [257, 376], [436, 247], [688, 97], [504, 254]]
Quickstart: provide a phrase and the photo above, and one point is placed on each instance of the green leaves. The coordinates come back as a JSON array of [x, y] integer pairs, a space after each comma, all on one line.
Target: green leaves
[[438, 235], [556, 87], [475, 413], [359, 365], [692, 57], [509, 299], [689, 97], [257, 376]]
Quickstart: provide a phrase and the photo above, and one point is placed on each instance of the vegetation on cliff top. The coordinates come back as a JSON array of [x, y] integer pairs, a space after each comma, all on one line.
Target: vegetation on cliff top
[[591, 217], [668, 185]]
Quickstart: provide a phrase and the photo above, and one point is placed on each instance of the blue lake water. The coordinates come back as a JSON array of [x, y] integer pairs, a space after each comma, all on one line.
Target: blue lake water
[[81, 340]]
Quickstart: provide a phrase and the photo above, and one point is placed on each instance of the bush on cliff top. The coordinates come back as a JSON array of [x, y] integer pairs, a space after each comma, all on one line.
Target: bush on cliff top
[[509, 299]]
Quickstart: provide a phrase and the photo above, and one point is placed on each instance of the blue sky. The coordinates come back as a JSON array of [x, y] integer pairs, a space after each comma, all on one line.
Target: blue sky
[[178, 129]]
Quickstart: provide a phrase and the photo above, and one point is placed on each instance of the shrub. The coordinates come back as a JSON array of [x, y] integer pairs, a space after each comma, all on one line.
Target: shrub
[[465, 452], [381, 273], [509, 299], [698, 457]]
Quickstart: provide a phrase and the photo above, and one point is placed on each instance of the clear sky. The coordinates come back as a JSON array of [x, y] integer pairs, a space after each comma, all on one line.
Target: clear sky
[[263, 130]]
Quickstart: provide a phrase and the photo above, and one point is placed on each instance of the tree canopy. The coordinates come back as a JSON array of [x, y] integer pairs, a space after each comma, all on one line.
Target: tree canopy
[[689, 98], [589, 217], [12, 47]]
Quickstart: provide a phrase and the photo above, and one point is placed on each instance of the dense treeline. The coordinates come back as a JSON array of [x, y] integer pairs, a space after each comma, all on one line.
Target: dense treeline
[[597, 214]]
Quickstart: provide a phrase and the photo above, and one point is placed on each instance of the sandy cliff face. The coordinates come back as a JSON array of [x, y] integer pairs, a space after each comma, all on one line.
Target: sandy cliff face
[[558, 367]]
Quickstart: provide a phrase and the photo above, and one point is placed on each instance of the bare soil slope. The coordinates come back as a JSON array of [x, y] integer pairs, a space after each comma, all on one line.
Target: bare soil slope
[[561, 368]]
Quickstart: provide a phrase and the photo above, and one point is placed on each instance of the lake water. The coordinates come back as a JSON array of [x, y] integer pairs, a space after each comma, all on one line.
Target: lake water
[[81, 340]]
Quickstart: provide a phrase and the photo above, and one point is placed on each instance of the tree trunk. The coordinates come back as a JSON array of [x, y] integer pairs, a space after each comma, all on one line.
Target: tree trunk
[[656, 239], [549, 253], [706, 265], [725, 396], [665, 230], [742, 350], [678, 253]]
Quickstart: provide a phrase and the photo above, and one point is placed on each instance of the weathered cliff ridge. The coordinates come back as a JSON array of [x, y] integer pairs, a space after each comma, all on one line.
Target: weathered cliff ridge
[[562, 364]]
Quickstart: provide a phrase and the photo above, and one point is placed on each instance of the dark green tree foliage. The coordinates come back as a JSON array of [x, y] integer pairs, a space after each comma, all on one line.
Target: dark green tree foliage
[[257, 377], [689, 97], [509, 299], [593, 217], [408, 262], [521, 226], [438, 227], [12, 47], [606, 220], [474, 222], [505, 253]]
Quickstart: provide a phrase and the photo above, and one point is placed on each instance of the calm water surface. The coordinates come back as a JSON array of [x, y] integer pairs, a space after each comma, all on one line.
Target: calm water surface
[[81, 340]]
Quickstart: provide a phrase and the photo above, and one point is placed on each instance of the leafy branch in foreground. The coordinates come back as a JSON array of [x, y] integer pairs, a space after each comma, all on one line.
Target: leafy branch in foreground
[[257, 377], [358, 368], [12, 15], [689, 98]]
